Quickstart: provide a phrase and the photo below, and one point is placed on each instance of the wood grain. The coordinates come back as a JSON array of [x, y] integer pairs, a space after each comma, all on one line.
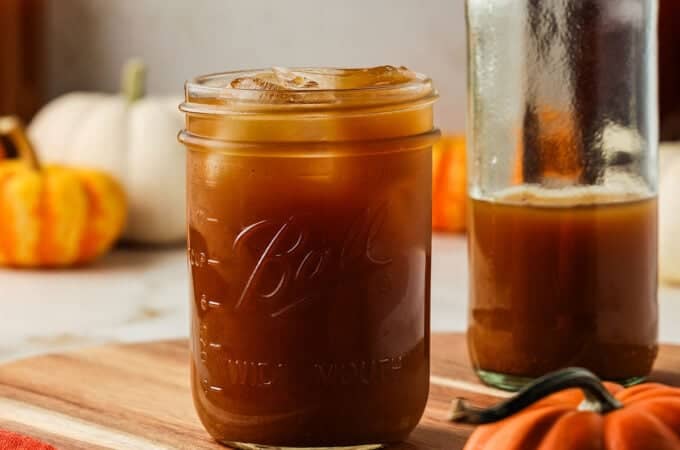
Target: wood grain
[[137, 397]]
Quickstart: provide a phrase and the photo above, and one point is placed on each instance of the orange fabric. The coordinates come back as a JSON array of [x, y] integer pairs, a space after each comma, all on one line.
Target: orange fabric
[[13, 441]]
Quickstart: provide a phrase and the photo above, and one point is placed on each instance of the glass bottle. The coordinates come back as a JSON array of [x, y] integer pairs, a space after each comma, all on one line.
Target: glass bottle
[[563, 133]]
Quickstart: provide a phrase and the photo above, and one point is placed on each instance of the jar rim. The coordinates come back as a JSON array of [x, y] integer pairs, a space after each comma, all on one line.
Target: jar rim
[[213, 93]]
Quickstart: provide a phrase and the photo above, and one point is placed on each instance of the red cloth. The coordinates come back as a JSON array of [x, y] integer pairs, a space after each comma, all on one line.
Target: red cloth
[[13, 441]]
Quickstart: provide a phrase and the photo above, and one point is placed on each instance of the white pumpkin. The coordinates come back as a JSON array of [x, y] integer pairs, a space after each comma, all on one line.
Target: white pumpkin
[[132, 138], [669, 214]]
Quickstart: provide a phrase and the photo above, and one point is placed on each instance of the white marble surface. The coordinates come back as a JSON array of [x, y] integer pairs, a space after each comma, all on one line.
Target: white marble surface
[[137, 295]]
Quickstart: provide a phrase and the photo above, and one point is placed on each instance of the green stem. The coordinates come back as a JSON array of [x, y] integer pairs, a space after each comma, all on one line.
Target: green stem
[[597, 397], [133, 80]]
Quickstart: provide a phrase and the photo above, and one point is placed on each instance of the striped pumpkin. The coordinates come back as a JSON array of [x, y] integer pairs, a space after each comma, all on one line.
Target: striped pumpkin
[[449, 184], [55, 216]]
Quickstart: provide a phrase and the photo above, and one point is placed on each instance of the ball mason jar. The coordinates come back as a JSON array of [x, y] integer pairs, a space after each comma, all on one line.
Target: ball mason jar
[[563, 133], [309, 241]]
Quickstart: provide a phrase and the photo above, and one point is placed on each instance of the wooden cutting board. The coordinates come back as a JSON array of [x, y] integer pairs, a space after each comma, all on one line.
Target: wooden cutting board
[[137, 397]]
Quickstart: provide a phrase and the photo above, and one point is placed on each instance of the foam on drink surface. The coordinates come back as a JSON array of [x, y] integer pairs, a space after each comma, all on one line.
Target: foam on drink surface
[[532, 195]]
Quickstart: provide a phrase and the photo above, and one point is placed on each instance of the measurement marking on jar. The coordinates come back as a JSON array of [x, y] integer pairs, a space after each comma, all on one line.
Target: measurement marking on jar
[[201, 215], [201, 259], [197, 258], [203, 336], [210, 387], [206, 303]]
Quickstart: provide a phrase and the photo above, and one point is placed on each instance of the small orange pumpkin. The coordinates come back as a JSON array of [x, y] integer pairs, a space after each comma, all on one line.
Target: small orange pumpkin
[[449, 184], [53, 216], [596, 417]]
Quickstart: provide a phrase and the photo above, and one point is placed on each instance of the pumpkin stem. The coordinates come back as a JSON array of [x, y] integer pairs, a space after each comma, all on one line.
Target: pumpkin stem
[[133, 80], [597, 397], [14, 143]]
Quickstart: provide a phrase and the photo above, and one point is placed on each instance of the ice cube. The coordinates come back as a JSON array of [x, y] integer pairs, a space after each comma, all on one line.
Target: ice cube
[[281, 78], [283, 85], [277, 86], [374, 76], [293, 80], [257, 82]]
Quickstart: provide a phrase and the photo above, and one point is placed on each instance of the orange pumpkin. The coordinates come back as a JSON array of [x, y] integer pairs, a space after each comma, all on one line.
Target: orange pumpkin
[[53, 216], [557, 156], [595, 416], [449, 184]]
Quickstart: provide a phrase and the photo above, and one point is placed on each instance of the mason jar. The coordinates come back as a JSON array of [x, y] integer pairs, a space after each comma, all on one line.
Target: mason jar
[[309, 237], [563, 133]]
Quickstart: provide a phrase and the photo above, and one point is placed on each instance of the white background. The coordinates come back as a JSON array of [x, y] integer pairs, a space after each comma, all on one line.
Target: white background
[[90, 39]]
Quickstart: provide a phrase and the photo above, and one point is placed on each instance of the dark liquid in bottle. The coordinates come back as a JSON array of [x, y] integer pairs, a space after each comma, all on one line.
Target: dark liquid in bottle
[[563, 281]]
